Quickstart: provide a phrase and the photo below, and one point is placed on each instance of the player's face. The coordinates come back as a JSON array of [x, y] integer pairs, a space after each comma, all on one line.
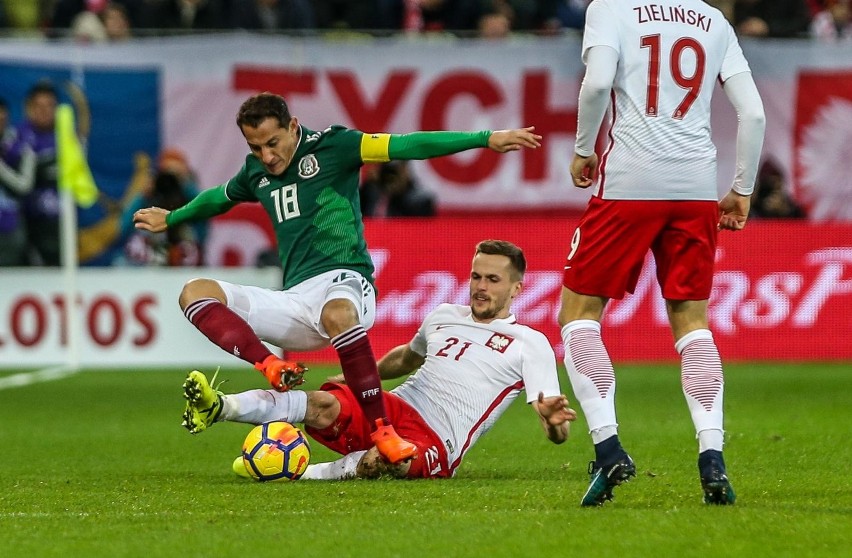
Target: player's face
[[492, 287], [41, 110], [272, 144]]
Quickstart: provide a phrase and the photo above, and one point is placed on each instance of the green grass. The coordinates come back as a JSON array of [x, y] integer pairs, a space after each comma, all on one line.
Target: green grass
[[97, 465]]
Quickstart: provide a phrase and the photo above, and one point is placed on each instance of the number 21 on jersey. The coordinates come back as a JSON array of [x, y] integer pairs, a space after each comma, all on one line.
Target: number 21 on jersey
[[286, 202]]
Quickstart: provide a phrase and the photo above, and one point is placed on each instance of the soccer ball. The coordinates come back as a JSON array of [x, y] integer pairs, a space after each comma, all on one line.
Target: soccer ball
[[276, 451]]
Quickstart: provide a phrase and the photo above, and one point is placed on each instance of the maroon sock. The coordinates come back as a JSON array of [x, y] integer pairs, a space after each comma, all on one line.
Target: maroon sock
[[226, 329], [360, 371]]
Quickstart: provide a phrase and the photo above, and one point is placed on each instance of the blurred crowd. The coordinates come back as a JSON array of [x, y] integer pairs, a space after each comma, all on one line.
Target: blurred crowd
[[117, 20], [29, 206]]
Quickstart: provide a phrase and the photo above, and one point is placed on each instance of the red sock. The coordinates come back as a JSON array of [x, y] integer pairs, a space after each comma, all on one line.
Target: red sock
[[226, 329], [360, 371]]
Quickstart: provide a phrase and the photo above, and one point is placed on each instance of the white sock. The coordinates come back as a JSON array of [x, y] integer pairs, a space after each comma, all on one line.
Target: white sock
[[703, 384], [710, 439], [592, 376], [344, 468], [258, 405]]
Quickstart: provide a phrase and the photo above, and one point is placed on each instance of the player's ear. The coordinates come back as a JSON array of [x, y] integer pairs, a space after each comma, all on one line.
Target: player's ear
[[517, 288]]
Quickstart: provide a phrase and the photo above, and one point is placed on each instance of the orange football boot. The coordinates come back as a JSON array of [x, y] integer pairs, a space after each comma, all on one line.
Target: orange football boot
[[390, 445], [282, 374]]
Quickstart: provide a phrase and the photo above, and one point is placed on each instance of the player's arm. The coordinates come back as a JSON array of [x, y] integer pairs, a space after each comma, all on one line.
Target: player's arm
[[399, 361], [208, 203], [555, 416], [742, 92], [380, 148], [20, 182], [601, 64]]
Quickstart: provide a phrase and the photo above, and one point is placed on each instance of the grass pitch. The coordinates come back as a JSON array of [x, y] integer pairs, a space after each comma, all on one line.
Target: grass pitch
[[97, 464]]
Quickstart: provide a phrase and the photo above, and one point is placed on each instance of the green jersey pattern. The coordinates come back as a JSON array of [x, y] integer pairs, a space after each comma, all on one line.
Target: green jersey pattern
[[314, 205]]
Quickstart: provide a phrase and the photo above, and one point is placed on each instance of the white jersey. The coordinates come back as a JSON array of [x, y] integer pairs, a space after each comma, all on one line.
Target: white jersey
[[670, 55], [473, 372]]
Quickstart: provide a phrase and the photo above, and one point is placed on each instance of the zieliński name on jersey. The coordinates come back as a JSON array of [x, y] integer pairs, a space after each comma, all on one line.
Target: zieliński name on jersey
[[672, 14]]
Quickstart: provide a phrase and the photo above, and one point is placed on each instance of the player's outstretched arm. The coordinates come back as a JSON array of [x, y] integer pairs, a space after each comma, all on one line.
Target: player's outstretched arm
[[208, 203], [555, 416], [502, 141], [378, 148], [397, 362]]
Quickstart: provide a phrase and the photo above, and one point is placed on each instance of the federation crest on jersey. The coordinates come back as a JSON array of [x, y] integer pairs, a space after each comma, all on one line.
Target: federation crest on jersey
[[308, 166], [499, 342]]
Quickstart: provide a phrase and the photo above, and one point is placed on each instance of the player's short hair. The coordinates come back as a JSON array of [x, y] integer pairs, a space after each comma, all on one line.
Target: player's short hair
[[41, 87], [258, 108], [505, 248]]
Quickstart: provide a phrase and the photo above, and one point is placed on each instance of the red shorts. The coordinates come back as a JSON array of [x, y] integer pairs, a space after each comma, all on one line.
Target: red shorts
[[351, 432], [610, 244]]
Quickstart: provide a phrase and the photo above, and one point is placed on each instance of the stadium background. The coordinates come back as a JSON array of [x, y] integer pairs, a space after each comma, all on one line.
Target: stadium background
[[783, 289]]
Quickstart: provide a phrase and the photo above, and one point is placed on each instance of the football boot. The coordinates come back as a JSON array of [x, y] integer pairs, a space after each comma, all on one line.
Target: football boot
[[604, 479], [203, 402], [283, 375]]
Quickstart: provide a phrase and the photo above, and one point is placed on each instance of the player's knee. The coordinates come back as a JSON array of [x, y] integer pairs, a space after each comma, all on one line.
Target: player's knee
[[338, 316], [322, 410], [196, 289]]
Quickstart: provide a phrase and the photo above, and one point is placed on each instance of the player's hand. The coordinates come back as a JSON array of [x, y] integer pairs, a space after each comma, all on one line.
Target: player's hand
[[502, 141], [555, 409], [584, 170], [151, 219], [733, 211]]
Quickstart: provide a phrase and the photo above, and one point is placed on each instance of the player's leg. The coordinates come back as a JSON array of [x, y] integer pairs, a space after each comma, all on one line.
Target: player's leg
[[362, 464], [592, 379], [206, 405], [206, 305], [349, 433], [348, 310], [685, 255], [702, 380], [341, 321], [608, 250]]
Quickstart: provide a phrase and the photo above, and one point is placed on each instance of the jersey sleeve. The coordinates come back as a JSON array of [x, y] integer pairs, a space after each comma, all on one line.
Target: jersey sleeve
[[348, 144], [381, 148], [419, 342], [539, 367], [208, 203], [238, 188], [735, 61], [600, 28]]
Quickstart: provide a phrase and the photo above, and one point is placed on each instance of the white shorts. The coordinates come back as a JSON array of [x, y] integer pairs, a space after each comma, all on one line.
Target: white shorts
[[291, 319]]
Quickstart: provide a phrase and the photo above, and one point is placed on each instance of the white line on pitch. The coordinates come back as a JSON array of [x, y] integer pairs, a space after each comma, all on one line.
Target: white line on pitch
[[44, 375]]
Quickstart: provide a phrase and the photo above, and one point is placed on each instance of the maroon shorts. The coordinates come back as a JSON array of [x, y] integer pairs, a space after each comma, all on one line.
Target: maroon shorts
[[351, 432], [613, 237]]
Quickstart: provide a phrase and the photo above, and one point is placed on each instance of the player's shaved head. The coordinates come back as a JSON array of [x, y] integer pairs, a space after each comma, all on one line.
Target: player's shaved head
[[505, 248], [258, 108]]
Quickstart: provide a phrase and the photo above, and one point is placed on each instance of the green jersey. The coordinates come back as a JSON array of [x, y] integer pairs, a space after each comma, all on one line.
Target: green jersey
[[313, 205]]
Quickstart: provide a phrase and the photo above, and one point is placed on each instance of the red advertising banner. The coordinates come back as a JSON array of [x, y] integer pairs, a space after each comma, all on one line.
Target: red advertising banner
[[782, 290]]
